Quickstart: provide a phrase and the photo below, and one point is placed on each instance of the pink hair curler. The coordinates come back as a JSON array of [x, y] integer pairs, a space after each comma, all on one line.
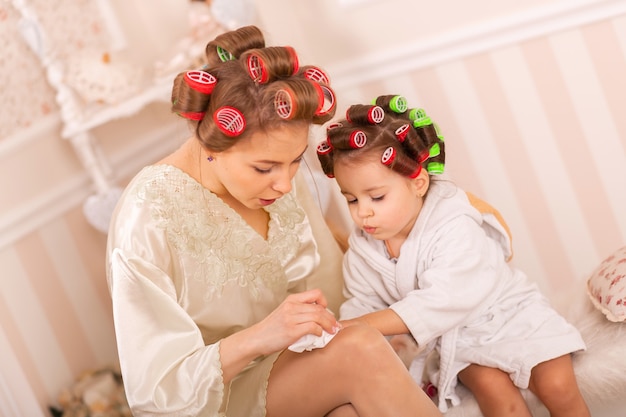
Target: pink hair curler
[[388, 156], [358, 139], [201, 81], [229, 121]]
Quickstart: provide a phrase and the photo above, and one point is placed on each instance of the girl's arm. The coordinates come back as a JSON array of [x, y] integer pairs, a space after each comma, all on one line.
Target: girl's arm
[[387, 321]]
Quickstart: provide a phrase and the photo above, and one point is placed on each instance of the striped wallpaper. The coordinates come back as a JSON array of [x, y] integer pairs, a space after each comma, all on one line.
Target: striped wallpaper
[[535, 127]]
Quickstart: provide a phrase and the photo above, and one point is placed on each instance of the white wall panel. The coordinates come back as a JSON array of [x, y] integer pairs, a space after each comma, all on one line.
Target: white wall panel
[[546, 159], [40, 340], [606, 151], [94, 319]]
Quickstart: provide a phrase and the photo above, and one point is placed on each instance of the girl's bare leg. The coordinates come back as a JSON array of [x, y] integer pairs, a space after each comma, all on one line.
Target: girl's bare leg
[[554, 383], [494, 391], [357, 371]]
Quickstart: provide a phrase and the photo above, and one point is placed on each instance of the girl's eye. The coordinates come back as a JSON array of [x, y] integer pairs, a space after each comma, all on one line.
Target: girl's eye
[[351, 200], [378, 198], [263, 171]]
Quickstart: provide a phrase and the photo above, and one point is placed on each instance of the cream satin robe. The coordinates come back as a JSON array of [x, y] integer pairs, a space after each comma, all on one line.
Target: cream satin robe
[[184, 271]]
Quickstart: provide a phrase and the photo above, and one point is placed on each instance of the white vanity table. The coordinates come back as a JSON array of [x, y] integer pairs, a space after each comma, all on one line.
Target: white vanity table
[[104, 69]]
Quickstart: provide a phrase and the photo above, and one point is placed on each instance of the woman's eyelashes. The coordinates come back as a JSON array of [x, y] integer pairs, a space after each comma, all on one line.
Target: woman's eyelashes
[[268, 170]]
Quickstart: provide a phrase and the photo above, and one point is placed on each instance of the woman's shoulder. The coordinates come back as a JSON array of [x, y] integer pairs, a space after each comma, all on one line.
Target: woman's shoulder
[[161, 177], [157, 189], [159, 184]]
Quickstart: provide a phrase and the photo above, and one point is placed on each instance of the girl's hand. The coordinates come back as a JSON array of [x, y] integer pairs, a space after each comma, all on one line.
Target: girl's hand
[[386, 321]]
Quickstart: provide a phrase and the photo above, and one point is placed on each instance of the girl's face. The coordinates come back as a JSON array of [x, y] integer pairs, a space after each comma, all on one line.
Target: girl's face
[[382, 202], [257, 171]]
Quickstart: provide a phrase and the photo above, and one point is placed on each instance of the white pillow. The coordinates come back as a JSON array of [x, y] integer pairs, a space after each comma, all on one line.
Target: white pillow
[[607, 286]]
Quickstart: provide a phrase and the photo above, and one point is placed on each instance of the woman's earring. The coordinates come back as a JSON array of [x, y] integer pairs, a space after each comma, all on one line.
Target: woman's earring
[[209, 158]]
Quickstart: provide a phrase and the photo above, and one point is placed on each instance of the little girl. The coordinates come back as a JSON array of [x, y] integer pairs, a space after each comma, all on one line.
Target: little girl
[[425, 259]]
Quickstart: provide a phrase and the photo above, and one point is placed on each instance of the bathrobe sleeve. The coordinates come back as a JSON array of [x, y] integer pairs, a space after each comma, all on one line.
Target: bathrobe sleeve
[[456, 274], [364, 291]]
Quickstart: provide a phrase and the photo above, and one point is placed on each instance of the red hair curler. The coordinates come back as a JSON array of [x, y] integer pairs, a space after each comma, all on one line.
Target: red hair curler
[[358, 139], [201, 81], [424, 155], [329, 101], [324, 148], [296, 61], [256, 68], [402, 131], [333, 125], [416, 172], [388, 156], [284, 103], [317, 75], [326, 99], [197, 116], [376, 114], [229, 121]]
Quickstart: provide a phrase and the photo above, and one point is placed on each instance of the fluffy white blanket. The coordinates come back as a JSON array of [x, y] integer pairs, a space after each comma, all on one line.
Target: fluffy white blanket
[[600, 370]]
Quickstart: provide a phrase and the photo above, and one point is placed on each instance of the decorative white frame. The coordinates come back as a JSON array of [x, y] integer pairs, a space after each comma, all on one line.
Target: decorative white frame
[[452, 45], [353, 3], [77, 119], [76, 129]]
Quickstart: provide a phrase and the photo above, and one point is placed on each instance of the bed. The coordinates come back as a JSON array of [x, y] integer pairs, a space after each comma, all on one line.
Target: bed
[[598, 309]]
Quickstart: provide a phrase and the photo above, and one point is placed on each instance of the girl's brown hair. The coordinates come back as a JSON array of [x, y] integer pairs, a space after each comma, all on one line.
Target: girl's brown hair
[[406, 140]]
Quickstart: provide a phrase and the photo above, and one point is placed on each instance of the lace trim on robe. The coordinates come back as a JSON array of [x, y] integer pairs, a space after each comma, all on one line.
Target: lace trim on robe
[[225, 247]]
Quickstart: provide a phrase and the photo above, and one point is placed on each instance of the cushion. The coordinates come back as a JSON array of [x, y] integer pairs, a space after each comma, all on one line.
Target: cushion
[[607, 286], [600, 369]]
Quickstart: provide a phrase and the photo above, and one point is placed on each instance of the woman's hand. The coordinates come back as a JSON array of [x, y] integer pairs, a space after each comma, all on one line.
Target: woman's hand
[[300, 314]]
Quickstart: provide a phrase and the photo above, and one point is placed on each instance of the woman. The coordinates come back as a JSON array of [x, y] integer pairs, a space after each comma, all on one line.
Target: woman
[[216, 265]]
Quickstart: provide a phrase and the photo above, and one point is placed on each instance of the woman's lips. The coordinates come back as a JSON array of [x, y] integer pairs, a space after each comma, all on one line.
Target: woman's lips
[[266, 202]]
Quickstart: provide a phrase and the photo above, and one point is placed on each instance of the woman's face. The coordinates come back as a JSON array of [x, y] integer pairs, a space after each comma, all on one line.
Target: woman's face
[[258, 170]]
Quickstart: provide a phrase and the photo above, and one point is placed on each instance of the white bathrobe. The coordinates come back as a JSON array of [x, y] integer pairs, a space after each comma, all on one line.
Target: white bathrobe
[[455, 291]]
